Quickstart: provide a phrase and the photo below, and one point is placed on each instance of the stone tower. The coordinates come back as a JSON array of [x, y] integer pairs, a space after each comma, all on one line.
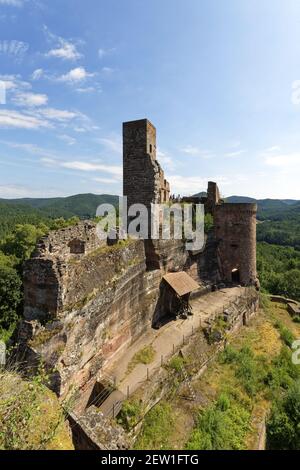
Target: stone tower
[[235, 231], [143, 178]]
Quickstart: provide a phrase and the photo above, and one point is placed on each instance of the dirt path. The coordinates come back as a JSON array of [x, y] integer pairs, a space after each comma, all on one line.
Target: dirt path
[[168, 339]]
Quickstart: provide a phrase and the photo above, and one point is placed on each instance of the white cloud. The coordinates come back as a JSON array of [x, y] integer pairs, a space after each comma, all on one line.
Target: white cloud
[[112, 144], [30, 99], [19, 191], [31, 148], [85, 166], [13, 3], [60, 115], [104, 52], [14, 119], [196, 151], [66, 51], [235, 154], [295, 97], [63, 48], [107, 70], [275, 148], [286, 161], [188, 185], [77, 75], [14, 48], [165, 160], [14, 83], [234, 144], [68, 139], [37, 74], [106, 180]]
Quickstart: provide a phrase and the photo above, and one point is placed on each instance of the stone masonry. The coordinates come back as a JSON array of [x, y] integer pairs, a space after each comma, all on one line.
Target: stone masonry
[[85, 301]]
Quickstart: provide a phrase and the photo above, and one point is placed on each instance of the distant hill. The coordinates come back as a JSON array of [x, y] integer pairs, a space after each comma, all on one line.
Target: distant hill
[[13, 214], [81, 205], [240, 199], [273, 209]]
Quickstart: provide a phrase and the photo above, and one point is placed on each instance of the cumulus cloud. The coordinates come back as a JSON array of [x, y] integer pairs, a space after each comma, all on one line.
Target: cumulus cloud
[[30, 99], [77, 75], [63, 48], [66, 51]]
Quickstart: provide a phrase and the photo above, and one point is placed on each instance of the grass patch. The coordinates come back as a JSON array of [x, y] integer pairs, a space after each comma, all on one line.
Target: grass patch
[[157, 427], [30, 416], [285, 334], [144, 356]]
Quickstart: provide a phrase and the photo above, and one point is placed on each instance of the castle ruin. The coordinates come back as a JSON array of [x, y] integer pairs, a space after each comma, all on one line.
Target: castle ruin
[[86, 302]]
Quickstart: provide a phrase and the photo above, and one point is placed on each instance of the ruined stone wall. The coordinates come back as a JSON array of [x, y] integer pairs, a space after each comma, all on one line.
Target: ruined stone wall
[[44, 274], [213, 197], [235, 232], [107, 299]]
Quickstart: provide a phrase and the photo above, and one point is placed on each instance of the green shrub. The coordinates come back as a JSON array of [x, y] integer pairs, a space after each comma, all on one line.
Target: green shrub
[[130, 414], [283, 429], [222, 426], [229, 355], [282, 373], [285, 334], [157, 427], [176, 363]]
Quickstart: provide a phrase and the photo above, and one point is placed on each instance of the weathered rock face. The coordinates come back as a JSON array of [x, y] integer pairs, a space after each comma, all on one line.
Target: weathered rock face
[[106, 300]]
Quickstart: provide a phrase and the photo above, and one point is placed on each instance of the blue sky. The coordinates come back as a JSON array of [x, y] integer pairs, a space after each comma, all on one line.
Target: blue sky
[[219, 80]]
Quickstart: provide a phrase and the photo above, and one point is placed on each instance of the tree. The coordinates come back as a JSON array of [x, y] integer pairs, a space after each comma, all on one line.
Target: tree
[[283, 429], [10, 296], [22, 242]]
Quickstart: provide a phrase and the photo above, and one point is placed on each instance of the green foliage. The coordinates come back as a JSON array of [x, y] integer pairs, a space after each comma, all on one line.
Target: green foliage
[[33, 210], [176, 363], [10, 296], [285, 334], [130, 414], [157, 426], [16, 214], [282, 373], [30, 415], [22, 241], [222, 426], [283, 428], [279, 269]]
